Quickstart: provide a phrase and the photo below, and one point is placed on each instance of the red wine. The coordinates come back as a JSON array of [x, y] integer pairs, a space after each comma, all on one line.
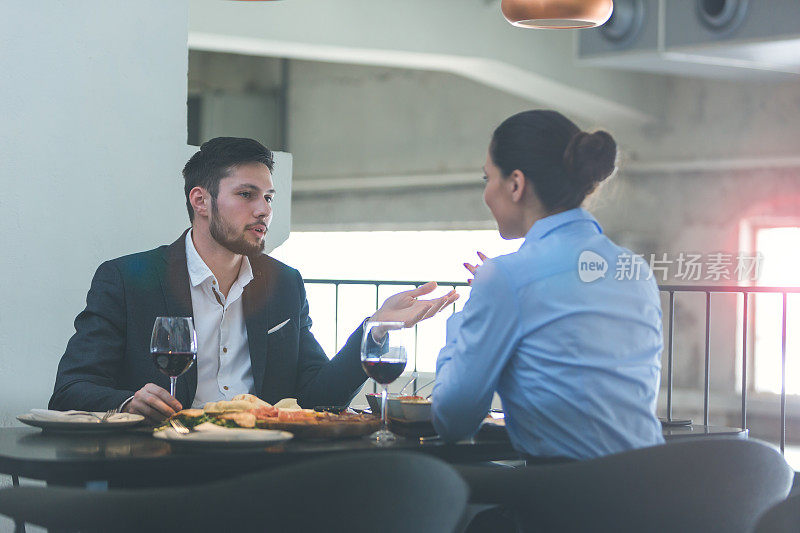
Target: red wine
[[383, 370], [173, 364]]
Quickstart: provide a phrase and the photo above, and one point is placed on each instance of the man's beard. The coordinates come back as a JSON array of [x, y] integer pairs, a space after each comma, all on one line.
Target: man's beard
[[226, 236]]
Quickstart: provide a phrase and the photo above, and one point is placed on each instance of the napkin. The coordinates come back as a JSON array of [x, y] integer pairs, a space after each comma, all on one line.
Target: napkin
[[75, 416]]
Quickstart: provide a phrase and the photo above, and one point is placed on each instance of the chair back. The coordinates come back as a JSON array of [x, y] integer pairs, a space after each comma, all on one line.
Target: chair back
[[781, 518], [372, 491], [700, 485]]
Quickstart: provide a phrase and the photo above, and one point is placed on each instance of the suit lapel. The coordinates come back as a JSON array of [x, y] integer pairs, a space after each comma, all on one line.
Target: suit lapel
[[255, 300], [178, 298]]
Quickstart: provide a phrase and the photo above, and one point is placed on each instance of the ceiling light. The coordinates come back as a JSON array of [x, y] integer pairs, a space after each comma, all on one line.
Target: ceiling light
[[557, 14]]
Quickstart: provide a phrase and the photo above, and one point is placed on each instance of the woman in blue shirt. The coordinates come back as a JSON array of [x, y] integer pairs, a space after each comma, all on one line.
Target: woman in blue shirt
[[567, 330]]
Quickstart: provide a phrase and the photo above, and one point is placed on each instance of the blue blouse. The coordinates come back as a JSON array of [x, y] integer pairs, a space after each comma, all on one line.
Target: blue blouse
[[568, 336]]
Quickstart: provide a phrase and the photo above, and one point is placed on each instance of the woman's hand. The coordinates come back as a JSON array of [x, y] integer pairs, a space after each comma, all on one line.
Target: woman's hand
[[406, 308], [473, 268]]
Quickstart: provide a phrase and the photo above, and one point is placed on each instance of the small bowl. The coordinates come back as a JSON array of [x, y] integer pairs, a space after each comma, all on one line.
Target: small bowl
[[394, 410], [416, 411], [374, 401]]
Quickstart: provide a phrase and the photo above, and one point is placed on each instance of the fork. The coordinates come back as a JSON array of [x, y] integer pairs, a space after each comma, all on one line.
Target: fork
[[108, 414], [178, 426], [413, 377], [103, 418]]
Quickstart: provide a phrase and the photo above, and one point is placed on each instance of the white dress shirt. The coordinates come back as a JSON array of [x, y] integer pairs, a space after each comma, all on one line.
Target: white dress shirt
[[223, 355]]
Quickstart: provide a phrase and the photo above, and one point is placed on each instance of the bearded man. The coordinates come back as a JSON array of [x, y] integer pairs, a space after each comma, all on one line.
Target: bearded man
[[250, 311]]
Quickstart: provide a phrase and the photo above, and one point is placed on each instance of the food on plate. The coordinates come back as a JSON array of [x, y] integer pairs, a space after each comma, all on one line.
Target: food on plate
[[297, 414], [418, 399], [251, 412], [254, 400], [288, 403], [265, 412], [414, 399], [191, 417], [235, 420], [324, 425], [335, 409], [227, 406]]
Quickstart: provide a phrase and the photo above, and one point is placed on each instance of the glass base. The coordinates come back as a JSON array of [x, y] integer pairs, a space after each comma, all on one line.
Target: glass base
[[383, 437]]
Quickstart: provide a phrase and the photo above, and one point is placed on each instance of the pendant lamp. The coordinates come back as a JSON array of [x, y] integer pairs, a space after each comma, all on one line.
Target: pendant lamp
[[557, 14]]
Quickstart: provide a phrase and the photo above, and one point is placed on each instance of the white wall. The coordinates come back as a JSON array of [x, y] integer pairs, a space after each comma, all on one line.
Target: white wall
[[92, 142]]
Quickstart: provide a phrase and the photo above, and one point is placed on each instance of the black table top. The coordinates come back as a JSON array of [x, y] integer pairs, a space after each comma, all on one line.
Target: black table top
[[135, 458]]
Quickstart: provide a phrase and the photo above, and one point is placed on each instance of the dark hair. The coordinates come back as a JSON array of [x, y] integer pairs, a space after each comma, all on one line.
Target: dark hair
[[215, 160], [563, 163]]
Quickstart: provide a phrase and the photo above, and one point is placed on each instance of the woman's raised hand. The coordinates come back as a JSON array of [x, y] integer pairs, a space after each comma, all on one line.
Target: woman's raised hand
[[473, 268]]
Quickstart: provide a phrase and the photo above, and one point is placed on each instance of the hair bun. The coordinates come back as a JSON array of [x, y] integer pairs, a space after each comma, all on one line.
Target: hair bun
[[590, 157]]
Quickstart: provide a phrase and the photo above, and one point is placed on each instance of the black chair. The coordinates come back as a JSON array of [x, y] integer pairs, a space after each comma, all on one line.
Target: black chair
[[702, 485], [782, 518], [372, 491]]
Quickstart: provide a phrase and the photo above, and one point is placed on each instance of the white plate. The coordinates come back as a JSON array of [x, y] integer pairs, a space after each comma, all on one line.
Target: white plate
[[120, 421], [225, 437]]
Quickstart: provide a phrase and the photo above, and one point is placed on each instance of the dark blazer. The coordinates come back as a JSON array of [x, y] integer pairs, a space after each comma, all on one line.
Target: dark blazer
[[108, 357]]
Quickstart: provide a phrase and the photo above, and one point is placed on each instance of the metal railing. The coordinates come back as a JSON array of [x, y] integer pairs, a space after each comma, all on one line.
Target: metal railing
[[671, 290], [708, 290]]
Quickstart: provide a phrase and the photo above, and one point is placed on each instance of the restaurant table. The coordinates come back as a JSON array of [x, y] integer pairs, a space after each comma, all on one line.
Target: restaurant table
[[134, 458]]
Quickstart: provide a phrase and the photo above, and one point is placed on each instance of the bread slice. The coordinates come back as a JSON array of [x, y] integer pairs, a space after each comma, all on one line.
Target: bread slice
[[254, 400], [243, 420], [190, 413], [225, 406], [288, 403]]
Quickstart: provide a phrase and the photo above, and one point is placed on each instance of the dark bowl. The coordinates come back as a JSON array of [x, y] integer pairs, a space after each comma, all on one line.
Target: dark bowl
[[374, 401]]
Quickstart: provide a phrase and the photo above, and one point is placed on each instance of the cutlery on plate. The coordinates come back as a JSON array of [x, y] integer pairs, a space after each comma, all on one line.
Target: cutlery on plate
[[100, 418], [108, 414], [178, 426]]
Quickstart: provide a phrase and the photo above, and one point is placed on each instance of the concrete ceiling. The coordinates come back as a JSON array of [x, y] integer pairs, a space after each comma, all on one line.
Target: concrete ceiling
[[466, 37]]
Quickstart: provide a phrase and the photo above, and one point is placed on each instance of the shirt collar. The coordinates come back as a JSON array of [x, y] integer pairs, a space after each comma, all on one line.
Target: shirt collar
[[199, 271], [544, 226]]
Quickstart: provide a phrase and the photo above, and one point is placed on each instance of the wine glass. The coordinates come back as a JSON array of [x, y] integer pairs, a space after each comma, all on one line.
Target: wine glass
[[383, 357], [173, 346]]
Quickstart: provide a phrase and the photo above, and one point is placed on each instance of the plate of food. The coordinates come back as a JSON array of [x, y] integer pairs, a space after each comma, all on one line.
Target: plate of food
[[208, 434], [79, 421], [322, 425], [246, 412]]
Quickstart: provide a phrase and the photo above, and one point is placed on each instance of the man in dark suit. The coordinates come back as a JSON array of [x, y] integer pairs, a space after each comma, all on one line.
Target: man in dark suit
[[250, 311]]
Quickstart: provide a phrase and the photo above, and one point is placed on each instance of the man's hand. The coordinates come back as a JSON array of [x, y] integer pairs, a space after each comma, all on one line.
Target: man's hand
[[406, 308], [153, 402], [473, 268]]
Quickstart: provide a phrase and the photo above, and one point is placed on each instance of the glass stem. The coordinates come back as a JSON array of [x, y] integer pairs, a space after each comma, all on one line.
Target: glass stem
[[172, 380], [384, 395]]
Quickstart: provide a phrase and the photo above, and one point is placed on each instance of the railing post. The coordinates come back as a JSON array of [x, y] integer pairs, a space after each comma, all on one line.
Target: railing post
[[707, 378], [783, 377], [669, 354], [336, 317], [416, 338], [744, 361], [377, 303]]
